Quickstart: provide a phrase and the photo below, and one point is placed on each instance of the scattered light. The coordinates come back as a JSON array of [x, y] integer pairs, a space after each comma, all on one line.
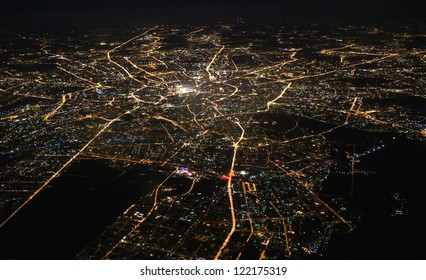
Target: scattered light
[[225, 177], [184, 90]]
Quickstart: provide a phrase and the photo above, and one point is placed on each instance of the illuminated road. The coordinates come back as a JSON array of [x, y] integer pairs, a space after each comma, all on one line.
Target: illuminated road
[[66, 164], [248, 213], [351, 227], [109, 53], [284, 228], [229, 190], [190, 96], [211, 77], [154, 205]]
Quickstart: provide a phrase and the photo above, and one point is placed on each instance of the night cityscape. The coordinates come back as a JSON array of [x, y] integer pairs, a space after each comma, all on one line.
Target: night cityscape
[[184, 136]]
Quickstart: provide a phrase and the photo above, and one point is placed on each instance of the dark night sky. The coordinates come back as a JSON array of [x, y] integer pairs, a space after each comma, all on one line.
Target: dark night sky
[[318, 7], [107, 12], [95, 4]]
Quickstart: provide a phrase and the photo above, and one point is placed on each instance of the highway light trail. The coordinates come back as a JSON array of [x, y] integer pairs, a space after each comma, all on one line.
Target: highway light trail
[[269, 103], [229, 190], [212, 61], [65, 165], [120, 46]]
